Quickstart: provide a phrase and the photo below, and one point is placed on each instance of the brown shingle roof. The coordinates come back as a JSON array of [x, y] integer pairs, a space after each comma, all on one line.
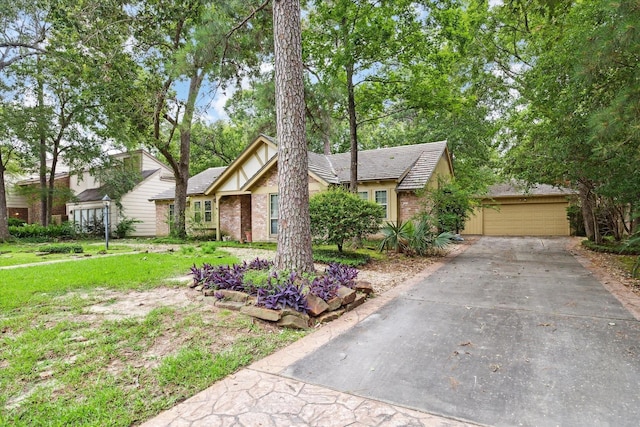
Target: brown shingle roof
[[410, 165], [517, 188], [197, 184]]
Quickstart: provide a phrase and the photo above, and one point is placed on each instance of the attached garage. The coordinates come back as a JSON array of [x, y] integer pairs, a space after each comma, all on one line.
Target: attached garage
[[510, 211]]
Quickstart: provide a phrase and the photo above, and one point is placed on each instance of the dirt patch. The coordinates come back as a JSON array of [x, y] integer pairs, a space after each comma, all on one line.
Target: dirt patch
[[116, 305]]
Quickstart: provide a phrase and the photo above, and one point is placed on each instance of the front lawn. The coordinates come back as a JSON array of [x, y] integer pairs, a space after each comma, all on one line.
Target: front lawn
[[17, 254], [110, 340]]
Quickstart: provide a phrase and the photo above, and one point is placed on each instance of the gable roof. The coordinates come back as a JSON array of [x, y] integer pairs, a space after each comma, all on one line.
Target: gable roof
[[411, 166], [196, 185]]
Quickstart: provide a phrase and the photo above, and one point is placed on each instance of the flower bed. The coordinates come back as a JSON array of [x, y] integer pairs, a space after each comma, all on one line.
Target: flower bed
[[290, 299]]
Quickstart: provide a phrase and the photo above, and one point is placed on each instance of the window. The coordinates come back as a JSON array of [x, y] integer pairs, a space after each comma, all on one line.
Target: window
[[207, 210], [88, 220], [197, 211], [364, 195], [172, 213], [273, 214], [381, 199]]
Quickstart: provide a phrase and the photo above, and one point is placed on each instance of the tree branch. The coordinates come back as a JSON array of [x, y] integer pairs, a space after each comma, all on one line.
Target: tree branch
[[373, 119]]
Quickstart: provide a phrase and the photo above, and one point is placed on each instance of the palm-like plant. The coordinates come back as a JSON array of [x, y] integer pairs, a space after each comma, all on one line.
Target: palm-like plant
[[413, 238], [396, 236]]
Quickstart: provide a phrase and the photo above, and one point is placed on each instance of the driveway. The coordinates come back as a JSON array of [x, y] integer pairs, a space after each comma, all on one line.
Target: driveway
[[514, 331]]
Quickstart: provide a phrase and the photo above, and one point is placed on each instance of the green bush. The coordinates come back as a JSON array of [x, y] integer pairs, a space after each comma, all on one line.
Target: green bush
[[208, 248], [61, 249], [36, 231], [612, 248], [338, 215], [16, 222], [125, 227]]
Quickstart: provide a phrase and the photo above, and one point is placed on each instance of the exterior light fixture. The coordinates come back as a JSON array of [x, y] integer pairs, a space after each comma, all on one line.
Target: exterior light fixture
[[106, 202]]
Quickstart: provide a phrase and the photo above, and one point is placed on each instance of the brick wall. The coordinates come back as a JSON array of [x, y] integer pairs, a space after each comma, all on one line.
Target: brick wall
[[260, 213], [409, 204], [231, 217], [162, 219], [260, 207], [245, 215]]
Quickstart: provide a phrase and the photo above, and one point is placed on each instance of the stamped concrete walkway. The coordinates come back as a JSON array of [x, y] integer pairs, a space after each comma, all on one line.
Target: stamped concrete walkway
[[512, 332]]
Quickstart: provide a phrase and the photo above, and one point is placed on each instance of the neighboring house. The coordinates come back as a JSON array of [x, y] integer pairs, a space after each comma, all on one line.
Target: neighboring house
[[88, 209], [18, 205], [512, 209], [245, 194], [200, 215], [23, 199]]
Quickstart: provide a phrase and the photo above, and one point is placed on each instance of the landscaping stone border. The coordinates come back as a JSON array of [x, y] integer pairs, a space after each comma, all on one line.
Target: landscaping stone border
[[319, 311]]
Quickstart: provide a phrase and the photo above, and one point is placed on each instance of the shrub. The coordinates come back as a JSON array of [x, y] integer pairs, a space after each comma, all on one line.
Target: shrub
[[628, 248], [449, 204], [61, 249], [16, 222], [187, 250], [338, 215], [208, 248], [396, 236], [412, 238], [36, 231], [125, 227]]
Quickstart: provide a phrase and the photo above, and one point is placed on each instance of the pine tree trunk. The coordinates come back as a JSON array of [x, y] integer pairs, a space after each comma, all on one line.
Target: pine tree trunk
[[294, 229]]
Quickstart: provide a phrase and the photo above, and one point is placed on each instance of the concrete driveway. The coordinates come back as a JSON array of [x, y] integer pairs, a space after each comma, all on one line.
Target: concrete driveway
[[514, 331]]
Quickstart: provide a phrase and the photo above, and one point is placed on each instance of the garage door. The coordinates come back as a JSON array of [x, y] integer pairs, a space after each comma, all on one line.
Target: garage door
[[528, 219]]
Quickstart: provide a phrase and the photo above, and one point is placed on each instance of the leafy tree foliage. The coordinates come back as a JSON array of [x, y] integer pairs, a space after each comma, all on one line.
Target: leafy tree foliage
[[572, 122], [338, 216], [449, 204], [57, 88], [200, 44]]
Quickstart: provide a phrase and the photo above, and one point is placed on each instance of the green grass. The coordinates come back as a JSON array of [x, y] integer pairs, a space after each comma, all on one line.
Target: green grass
[[60, 364], [40, 282], [17, 254], [74, 374]]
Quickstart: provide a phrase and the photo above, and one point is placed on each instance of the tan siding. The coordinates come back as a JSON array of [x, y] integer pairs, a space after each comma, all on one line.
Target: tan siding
[[474, 225], [441, 169], [392, 196]]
